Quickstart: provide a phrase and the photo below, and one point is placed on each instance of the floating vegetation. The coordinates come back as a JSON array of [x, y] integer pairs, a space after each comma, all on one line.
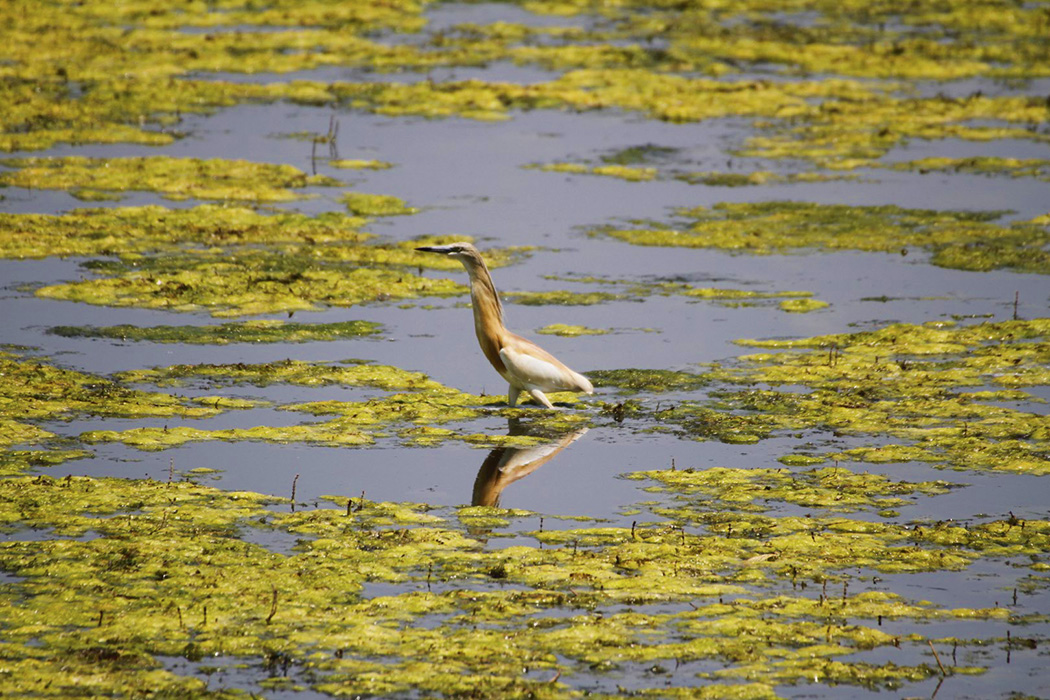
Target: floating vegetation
[[622, 172], [741, 580], [264, 331], [412, 411], [171, 576], [1038, 168], [901, 382], [352, 164], [569, 331], [638, 290], [175, 178], [964, 240], [827, 488], [561, 297], [228, 261], [647, 380], [802, 306], [375, 204], [350, 373], [34, 391], [129, 76], [130, 232], [255, 282], [756, 178]]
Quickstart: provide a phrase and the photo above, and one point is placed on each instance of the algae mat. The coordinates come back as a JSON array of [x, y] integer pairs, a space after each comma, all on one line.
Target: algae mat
[[248, 444]]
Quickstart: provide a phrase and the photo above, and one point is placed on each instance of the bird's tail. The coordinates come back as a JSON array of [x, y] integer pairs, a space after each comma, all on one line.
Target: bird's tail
[[583, 383]]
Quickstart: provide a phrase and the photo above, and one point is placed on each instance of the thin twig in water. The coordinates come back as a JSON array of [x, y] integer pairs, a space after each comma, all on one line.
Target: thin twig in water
[[937, 658]]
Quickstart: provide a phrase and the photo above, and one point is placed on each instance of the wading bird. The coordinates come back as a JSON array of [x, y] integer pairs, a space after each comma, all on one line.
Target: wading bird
[[526, 366]]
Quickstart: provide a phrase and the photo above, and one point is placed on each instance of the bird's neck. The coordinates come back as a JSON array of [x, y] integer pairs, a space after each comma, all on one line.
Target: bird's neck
[[488, 316], [488, 311]]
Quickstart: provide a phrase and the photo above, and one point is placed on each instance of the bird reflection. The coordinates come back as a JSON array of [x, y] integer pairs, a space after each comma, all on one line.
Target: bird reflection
[[505, 465]]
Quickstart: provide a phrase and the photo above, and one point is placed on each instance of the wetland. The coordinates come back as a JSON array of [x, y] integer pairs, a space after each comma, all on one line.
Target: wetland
[[249, 444]]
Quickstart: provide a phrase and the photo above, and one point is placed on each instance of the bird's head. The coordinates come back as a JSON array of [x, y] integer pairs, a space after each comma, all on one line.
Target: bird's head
[[462, 251]]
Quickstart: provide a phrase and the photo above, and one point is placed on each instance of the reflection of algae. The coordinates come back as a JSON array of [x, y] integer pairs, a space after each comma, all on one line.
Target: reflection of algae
[[175, 178], [966, 240], [244, 332], [170, 575]]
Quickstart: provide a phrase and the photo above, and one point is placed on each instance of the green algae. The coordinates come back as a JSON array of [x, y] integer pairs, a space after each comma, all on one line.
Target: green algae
[[637, 290], [265, 331], [249, 285], [648, 380], [828, 488], [561, 298], [175, 178], [178, 578], [904, 382], [109, 75], [34, 391], [360, 164], [964, 240], [802, 306], [168, 573], [249, 280], [570, 331], [755, 178], [984, 165], [352, 373], [950, 395], [363, 204], [130, 232], [622, 172]]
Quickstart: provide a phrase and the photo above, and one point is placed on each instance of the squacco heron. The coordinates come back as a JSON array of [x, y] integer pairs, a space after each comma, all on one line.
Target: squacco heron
[[526, 366]]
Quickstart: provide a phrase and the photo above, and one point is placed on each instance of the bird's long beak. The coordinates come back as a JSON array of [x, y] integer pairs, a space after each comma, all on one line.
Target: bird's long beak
[[440, 249]]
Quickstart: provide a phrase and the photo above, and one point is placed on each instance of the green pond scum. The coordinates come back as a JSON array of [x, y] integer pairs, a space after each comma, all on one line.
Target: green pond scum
[[128, 74], [227, 261], [750, 582], [175, 178], [165, 570], [955, 239], [265, 331]]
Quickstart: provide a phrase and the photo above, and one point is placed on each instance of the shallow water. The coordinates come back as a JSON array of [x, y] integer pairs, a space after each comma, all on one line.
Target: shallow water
[[467, 178]]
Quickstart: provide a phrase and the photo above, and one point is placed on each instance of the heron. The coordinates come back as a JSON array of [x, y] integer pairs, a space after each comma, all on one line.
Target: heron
[[526, 366]]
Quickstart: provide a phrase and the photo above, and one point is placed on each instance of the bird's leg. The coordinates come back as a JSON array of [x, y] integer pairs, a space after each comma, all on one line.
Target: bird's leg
[[540, 397], [512, 395]]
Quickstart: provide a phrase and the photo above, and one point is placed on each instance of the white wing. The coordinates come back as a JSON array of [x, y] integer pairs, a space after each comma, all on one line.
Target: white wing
[[534, 373]]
